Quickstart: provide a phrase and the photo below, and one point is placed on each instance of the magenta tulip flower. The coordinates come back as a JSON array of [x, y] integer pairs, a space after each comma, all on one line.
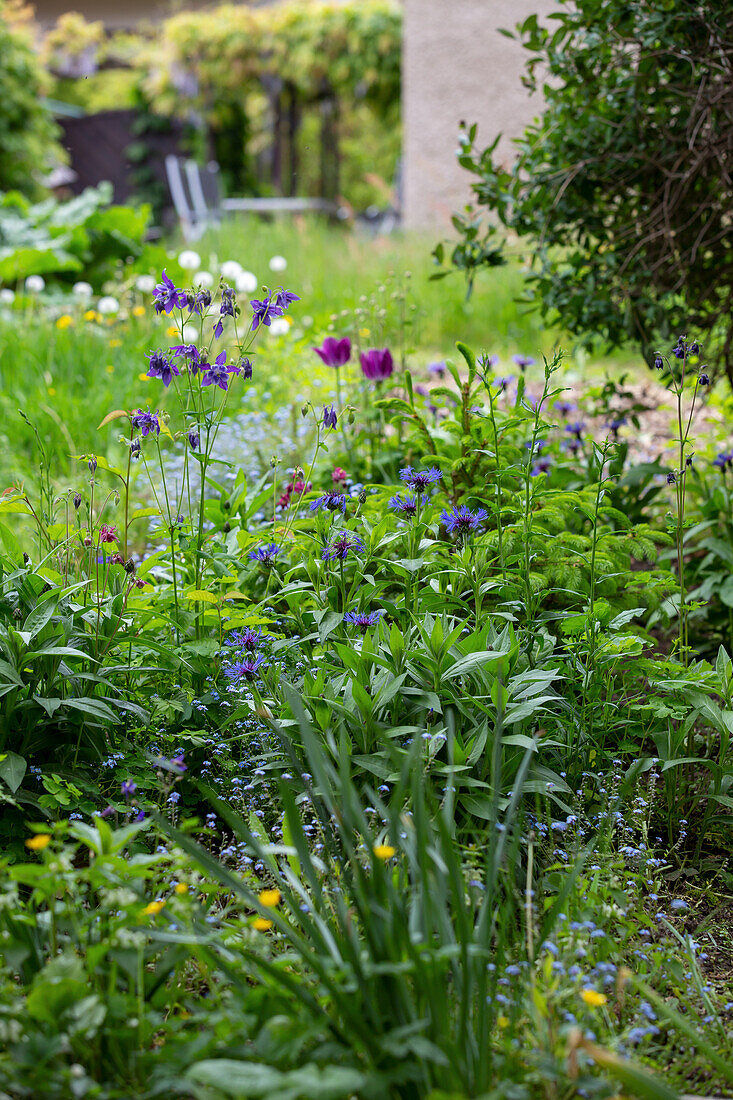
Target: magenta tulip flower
[[334, 353], [377, 364]]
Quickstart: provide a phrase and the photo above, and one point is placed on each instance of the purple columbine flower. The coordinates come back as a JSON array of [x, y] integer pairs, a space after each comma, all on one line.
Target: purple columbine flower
[[330, 419], [339, 549], [284, 298], [406, 506], [128, 788], [167, 296], [263, 312], [146, 422], [363, 619], [245, 367], [191, 354], [671, 479], [523, 361], [227, 308], [217, 374], [333, 352], [265, 554], [332, 502], [246, 669], [418, 480], [377, 364], [161, 367], [194, 440], [245, 638], [199, 301], [704, 379], [462, 521]]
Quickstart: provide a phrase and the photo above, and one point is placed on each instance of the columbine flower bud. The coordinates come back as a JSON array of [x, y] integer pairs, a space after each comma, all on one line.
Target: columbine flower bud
[[87, 540], [92, 465], [130, 566], [704, 379], [77, 500], [304, 410]]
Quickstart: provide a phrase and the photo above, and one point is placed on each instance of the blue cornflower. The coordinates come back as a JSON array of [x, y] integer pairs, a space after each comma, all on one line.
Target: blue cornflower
[[246, 669], [615, 424], [724, 460], [462, 521], [191, 354], [128, 788], [245, 638], [265, 554], [332, 502], [218, 373], [418, 480], [167, 296], [145, 422], [564, 407], [263, 312], [523, 361], [340, 547], [363, 619], [576, 429], [161, 367], [541, 466], [329, 416], [406, 505]]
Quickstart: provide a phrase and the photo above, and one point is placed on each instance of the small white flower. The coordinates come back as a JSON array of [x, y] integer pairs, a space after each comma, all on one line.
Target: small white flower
[[279, 326], [145, 284], [230, 269], [278, 263], [247, 282], [204, 279], [307, 321], [189, 260], [82, 290], [108, 304], [7, 295], [34, 284]]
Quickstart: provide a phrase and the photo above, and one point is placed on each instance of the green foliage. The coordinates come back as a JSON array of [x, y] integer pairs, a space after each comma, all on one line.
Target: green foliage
[[28, 144], [63, 239], [617, 185]]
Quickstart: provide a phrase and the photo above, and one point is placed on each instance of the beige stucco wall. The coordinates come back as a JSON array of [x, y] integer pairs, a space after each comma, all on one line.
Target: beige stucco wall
[[456, 65]]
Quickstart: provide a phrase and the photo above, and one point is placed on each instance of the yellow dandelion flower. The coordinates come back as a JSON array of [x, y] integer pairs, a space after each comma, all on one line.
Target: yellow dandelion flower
[[502, 1021], [384, 851], [364, 332], [65, 321], [116, 343], [270, 898], [138, 311], [172, 332], [91, 315], [143, 377], [152, 908], [110, 369], [38, 842], [593, 998], [51, 391], [181, 888], [260, 924]]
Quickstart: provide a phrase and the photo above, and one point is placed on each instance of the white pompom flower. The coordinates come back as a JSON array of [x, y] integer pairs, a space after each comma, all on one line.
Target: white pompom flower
[[108, 304], [278, 263], [247, 282], [82, 290], [189, 260], [145, 284], [34, 284], [204, 279], [231, 270]]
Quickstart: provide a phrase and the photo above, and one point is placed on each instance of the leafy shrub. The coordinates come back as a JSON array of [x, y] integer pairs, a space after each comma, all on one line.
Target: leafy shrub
[[617, 185], [28, 144], [63, 239]]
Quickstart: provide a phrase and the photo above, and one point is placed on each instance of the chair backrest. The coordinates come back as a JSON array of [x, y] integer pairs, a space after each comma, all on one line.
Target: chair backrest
[[181, 196]]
